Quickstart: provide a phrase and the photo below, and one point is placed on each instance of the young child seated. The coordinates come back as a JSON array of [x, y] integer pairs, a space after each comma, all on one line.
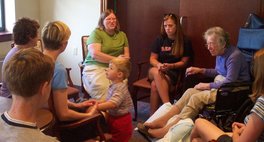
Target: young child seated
[[118, 101]]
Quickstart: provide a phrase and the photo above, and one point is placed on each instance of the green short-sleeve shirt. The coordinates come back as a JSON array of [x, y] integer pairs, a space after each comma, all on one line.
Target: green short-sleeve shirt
[[111, 45]]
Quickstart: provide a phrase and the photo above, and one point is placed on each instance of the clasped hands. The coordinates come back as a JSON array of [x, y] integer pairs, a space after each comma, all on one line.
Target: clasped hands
[[123, 56], [164, 67], [90, 106], [238, 127]]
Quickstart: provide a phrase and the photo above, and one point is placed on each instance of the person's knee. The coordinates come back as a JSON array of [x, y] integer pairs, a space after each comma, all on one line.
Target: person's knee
[[195, 98], [153, 86], [200, 122], [153, 72]]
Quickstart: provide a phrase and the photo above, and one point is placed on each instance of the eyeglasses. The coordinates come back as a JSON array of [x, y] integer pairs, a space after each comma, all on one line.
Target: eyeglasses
[[110, 19], [210, 44]]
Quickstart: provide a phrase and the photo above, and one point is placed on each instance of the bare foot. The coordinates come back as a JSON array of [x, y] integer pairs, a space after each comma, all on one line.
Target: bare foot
[[158, 123], [158, 133]]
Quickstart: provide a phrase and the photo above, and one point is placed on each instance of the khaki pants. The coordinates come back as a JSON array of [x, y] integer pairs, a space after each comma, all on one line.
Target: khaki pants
[[193, 100]]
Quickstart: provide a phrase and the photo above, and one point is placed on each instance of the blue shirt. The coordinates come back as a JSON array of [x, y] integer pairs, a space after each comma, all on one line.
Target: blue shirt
[[59, 77], [232, 65]]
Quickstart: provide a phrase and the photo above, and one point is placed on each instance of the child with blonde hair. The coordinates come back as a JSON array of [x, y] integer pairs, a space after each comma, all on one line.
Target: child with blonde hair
[[118, 101]]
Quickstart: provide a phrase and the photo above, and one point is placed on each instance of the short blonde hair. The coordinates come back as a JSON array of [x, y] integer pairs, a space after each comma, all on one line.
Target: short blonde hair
[[54, 34], [122, 65], [258, 73]]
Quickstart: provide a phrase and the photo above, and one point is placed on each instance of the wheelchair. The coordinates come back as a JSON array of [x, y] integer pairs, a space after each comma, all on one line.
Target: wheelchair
[[233, 103]]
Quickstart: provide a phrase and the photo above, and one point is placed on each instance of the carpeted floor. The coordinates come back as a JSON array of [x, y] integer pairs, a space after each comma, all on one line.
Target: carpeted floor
[[143, 114]]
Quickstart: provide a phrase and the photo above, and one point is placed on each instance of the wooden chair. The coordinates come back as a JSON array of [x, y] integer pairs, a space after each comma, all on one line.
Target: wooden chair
[[142, 84], [72, 91], [73, 126], [84, 39]]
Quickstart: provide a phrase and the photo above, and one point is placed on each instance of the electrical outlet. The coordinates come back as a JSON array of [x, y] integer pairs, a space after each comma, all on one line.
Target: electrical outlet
[[75, 51]]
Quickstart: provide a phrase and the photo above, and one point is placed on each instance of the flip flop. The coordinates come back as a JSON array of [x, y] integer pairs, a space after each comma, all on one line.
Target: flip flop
[[143, 129]]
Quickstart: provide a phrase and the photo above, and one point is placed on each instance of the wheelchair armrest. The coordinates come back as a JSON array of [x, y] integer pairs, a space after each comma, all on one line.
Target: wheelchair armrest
[[231, 95], [236, 84]]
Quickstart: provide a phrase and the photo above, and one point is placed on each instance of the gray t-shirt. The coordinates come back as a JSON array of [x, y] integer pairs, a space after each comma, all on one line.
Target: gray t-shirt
[[12, 130]]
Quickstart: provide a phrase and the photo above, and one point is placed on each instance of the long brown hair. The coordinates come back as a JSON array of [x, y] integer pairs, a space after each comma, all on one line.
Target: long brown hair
[[258, 72], [178, 45]]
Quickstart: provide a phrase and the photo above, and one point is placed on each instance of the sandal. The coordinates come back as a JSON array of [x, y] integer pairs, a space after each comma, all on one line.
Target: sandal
[[143, 129]]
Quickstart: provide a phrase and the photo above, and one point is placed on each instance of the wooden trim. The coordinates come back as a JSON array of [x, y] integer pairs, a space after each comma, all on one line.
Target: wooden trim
[[261, 8], [5, 36]]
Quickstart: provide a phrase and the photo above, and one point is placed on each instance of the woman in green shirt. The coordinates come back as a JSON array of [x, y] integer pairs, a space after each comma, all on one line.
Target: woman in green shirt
[[105, 43]]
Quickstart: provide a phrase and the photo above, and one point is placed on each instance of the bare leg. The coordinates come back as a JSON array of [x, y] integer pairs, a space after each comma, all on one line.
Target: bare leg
[[161, 84], [162, 121], [205, 130], [161, 132], [154, 98]]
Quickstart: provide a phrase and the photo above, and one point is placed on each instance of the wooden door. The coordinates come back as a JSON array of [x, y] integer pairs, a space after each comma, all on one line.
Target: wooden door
[[141, 20]]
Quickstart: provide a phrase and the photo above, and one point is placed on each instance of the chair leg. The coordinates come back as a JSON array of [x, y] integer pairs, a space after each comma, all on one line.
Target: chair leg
[[101, 133], [134, 99]]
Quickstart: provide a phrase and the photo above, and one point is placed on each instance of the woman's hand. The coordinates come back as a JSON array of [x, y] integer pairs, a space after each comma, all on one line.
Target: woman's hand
[[85, 104], [238, 128], [202, 86], [92, 109], [123, 56], [160, 66], [194, 70]]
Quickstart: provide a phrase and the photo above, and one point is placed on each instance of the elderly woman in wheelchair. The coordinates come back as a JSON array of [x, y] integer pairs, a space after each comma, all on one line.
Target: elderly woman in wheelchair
[[253, 129], [230, 66]]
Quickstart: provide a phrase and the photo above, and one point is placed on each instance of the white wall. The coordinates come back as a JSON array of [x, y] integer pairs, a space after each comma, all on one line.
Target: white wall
[[80, 15], [27, 8]]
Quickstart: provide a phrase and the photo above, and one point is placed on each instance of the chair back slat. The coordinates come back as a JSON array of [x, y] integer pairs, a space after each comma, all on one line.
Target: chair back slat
[[84, 46]]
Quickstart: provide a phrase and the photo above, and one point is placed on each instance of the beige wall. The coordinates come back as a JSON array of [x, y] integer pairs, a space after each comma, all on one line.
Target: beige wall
[[81, 16]]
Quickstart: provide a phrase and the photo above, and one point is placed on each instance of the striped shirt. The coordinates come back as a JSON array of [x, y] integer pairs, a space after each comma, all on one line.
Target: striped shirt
[[258, 109], [118, 94]]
